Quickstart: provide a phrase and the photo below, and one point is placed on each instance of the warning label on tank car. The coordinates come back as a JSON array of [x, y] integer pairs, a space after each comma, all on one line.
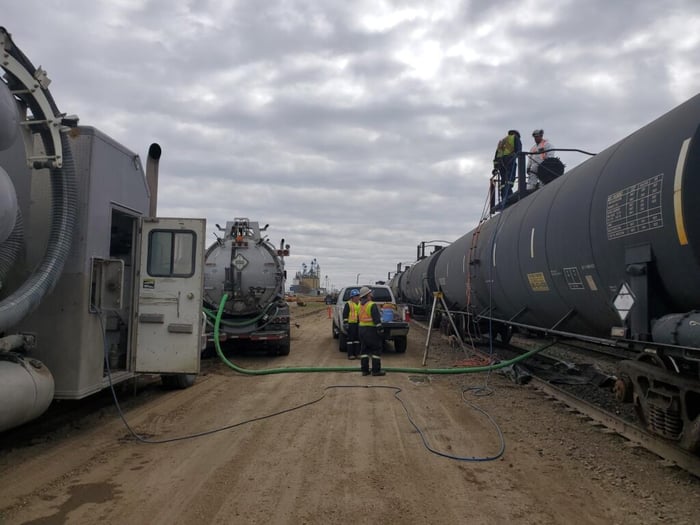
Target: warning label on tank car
[[573, 278], [591, 283], [635, 209], [537, 281], [239, 262]]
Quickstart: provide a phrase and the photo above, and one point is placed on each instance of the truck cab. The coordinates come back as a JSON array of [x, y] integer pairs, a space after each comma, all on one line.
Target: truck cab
[[395, 329]]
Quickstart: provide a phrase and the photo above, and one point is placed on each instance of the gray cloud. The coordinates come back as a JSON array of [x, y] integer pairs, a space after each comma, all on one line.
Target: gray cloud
[[356, 129]]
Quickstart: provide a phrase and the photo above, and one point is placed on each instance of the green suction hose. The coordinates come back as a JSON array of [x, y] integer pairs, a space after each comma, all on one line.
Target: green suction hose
[[306, 369], [209, 313]]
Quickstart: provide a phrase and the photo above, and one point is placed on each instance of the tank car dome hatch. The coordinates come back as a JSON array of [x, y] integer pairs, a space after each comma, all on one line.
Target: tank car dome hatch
[[9, 117], [8, 206]]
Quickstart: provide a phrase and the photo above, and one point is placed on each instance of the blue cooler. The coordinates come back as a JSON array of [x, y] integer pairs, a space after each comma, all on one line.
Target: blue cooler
[[387, 315]]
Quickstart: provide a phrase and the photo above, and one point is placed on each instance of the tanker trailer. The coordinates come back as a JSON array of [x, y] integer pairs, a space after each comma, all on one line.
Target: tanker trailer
[[609, 249], [250, 271]]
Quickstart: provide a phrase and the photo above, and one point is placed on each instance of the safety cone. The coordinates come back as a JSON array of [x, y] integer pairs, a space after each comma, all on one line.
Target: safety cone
[[328, 310]]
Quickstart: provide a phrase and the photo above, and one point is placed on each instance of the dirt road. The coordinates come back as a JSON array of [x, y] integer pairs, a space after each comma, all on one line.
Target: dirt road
[[352, 457]]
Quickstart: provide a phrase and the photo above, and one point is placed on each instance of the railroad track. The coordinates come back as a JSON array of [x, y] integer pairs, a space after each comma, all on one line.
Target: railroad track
[[601, 416], [626, 427], [632, 432], [612, 352]]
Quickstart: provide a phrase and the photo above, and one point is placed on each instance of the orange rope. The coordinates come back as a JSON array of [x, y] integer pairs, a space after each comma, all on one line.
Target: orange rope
[[475, 361]]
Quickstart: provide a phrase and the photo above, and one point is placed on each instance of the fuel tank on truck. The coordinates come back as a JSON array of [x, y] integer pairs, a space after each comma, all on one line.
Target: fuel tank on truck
[[245, 266], [560, 256], [26, 389]]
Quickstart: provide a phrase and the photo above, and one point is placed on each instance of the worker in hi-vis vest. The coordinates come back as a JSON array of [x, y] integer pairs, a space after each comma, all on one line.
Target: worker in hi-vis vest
[[504, 162], [371, 340], [351, 318], [538, 153]]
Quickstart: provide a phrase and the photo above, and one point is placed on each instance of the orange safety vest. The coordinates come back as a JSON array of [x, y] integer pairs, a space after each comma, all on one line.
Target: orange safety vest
[[366, 314], [353, 312], [540, 148]]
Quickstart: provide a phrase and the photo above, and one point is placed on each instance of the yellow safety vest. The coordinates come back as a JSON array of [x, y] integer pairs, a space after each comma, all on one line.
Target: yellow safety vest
[[353, 312], [506, 146], [366, 314]]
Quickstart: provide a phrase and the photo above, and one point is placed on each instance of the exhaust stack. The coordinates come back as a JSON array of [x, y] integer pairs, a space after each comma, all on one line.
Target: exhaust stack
[[154, 153]]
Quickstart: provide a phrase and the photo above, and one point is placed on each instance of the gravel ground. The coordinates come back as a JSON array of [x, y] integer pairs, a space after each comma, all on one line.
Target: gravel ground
[[351, 457]]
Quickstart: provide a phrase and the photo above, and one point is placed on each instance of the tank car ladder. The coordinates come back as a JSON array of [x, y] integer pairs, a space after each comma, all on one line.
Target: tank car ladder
[[471, 263]]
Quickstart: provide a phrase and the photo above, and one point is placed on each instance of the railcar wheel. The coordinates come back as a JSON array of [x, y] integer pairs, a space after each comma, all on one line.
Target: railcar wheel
[[505, 332], [690, 438], [623, 389], [656, 361]]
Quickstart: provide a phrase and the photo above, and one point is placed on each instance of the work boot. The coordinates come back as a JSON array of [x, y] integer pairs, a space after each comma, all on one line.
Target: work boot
[[377, 367], [364, 365]]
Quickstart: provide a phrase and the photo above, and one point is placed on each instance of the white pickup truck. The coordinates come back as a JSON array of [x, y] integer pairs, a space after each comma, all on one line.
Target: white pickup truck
[[395, 330]]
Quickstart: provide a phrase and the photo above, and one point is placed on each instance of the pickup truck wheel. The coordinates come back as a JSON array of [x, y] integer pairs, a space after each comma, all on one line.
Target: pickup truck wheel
[[342, 342], [335, 331], [400, 344]]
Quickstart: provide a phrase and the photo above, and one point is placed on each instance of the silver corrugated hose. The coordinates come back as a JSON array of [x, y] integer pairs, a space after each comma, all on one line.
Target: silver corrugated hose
[[63, 218], [9, 250]]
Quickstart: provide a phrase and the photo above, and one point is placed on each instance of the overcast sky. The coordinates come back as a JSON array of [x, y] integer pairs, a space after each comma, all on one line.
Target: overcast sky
[[356, 129]]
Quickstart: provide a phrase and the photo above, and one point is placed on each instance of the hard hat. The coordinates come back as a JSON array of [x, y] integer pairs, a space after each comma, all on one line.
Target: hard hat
[[513, 132], [538, 132], [354, 292], [365, 291]]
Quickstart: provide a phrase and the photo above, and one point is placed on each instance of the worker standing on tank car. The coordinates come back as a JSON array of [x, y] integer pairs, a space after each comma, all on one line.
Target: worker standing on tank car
[[351, 318], [538, 152], [371, 341], [504, 161]]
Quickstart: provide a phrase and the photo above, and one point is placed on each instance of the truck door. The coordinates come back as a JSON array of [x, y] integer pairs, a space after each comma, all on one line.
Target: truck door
[[168, 292]]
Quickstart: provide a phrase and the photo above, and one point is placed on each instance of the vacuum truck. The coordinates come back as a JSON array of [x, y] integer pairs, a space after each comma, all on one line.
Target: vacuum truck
[[94, 288]]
